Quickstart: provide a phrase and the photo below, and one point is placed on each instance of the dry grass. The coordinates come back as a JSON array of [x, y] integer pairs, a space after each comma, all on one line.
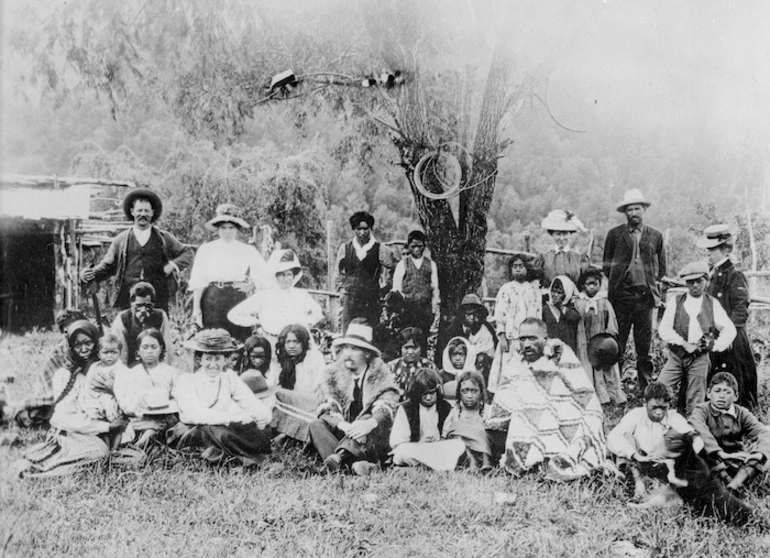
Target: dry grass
[[176, 506]]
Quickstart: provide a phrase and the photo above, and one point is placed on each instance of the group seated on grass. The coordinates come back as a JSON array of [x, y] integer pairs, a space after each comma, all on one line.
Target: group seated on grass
[[361, 414]]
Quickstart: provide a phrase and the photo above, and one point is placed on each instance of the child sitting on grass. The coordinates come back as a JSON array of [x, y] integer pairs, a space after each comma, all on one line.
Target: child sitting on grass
[[466, 421], [737, 444], [416, 433], [638, 439]]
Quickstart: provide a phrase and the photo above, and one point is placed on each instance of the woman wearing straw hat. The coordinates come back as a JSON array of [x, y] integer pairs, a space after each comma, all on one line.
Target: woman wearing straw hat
[[219, 414], [359, 399], [225, 272], [730, 288], [561, 259]]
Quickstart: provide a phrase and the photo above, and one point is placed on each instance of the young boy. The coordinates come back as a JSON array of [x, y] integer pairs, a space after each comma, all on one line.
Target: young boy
[[693, 325], [723, 425], [638, 439]]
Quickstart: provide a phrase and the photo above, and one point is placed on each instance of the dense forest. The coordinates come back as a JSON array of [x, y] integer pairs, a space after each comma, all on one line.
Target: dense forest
[[666, 97]]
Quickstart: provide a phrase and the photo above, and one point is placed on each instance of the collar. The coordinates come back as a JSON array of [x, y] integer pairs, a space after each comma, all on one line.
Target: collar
[[563, 250], [731, 411], [360, 377], [721, 262], [366, 247], [418, 260], [631, 229]]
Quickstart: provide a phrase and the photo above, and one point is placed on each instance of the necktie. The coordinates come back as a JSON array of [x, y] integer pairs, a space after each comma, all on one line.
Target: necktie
[[357, 405]]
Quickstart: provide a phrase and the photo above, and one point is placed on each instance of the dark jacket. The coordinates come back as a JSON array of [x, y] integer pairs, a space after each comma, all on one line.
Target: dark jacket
[[618, 249], [730, 288]]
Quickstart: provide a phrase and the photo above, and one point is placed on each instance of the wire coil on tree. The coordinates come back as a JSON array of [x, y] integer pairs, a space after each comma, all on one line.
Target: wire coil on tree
[[451, 166]]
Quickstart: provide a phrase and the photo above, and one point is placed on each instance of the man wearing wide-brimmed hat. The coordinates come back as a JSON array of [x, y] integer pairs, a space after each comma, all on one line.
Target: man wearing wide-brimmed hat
[[730, 288], [141, 253], [693, 325], [634, 261]]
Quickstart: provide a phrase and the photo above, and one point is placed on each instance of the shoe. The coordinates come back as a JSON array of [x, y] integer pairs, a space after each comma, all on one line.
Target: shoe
[[364, 468], [333, 463]]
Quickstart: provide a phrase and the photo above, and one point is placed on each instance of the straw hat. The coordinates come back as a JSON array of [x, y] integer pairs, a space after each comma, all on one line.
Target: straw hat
[[227, 213], [358, 335], [632, 197], [213, 341], [157, 402], [145, 194], [560, 220], [715, 235], [694, 270]]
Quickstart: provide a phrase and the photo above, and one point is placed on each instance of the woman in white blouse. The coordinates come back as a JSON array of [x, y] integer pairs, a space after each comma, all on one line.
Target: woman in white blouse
[[225, 272]]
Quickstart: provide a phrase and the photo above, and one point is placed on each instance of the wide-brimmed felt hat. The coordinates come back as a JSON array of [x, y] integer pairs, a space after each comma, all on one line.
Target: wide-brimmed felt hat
[[143, 193], [561, 220], [358, 335], [157, 402], [632, 197], [694, 270], [715, 235], [227, 213], [258, 384], [472, 301], [215, 340], [603, 350], [285, 260]]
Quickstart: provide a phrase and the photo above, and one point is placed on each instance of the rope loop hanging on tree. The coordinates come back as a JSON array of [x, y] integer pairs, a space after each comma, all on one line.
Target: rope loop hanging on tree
[[451, 188]]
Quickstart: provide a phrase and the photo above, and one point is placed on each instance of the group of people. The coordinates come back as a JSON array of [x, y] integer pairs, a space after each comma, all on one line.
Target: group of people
[[524, 392]]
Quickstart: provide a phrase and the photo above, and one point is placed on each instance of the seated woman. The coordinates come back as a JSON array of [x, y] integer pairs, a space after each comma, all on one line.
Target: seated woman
[[272, 310], [416, 434], [411, 341], [358, 396], [75, 439], [135, 387], [219, 415], [300, 367]]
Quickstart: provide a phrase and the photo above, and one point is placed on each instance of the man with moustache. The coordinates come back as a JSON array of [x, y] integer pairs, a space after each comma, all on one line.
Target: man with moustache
[[634, 261], [141, 253], [142, 315]]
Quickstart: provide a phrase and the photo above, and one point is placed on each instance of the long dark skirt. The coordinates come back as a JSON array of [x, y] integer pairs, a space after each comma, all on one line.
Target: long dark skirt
[[739, 361], [245, 441], [216, 302]]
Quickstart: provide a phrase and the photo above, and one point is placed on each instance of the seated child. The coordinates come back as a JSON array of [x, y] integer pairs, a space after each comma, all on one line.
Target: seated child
[[725, 428], [638, 439], [598, 317], [466, 420], [98, 399], [560, 315], [459, 356], [416, 433]]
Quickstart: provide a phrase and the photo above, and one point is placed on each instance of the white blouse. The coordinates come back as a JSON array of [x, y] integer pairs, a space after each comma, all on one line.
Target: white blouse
[[307, 372], [233, 261], [276, 308]]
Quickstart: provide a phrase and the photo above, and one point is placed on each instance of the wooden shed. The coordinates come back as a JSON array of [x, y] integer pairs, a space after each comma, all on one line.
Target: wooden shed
[[46, 222]]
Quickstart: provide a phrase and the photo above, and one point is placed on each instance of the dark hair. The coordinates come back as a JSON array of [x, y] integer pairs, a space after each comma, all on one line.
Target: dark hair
[[361, 216], [394, 301], [454, 343], [76, 364], [288, 375], [423, 380], [155, 334], [476, 378], [110, 339], [591, 272], [724, 378], [557, 283], [535, 321], [252, 343], [142, 289], [658, 390], [527, 261], [66, 317], [411, 334], [415, 235]]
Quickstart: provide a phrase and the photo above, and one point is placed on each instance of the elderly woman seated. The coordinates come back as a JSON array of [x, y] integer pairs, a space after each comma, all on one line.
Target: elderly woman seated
[[219, 415], [359, 398]]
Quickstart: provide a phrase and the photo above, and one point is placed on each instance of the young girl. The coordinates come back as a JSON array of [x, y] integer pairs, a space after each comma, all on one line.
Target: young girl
[[138, 389], [466, 420], [458, 357], [300, 367], [219, 415], [412, 349], [416, 433], [516, 300], [598, 317], [560, 315]]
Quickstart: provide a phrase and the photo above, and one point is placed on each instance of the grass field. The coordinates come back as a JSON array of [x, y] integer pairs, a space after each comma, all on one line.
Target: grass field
[[176, 506]]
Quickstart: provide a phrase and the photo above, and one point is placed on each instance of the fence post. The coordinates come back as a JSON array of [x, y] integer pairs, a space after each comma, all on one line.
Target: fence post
[[330, 276]]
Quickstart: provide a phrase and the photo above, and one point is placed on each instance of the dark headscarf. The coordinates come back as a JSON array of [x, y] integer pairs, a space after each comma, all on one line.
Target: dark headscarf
[[75, 361]]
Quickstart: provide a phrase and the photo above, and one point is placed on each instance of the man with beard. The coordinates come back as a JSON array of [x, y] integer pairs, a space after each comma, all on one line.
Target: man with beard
[[141, 253], [634, 261], [142, 315]]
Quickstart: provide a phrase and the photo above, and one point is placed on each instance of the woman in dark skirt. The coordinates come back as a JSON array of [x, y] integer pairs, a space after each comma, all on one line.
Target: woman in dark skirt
[[225, 272], [219, 415]]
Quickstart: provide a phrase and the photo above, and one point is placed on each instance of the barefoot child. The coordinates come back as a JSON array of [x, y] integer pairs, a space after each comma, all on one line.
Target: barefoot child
[[416, 433], [638, 439], [466, 421], [724, 426]]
